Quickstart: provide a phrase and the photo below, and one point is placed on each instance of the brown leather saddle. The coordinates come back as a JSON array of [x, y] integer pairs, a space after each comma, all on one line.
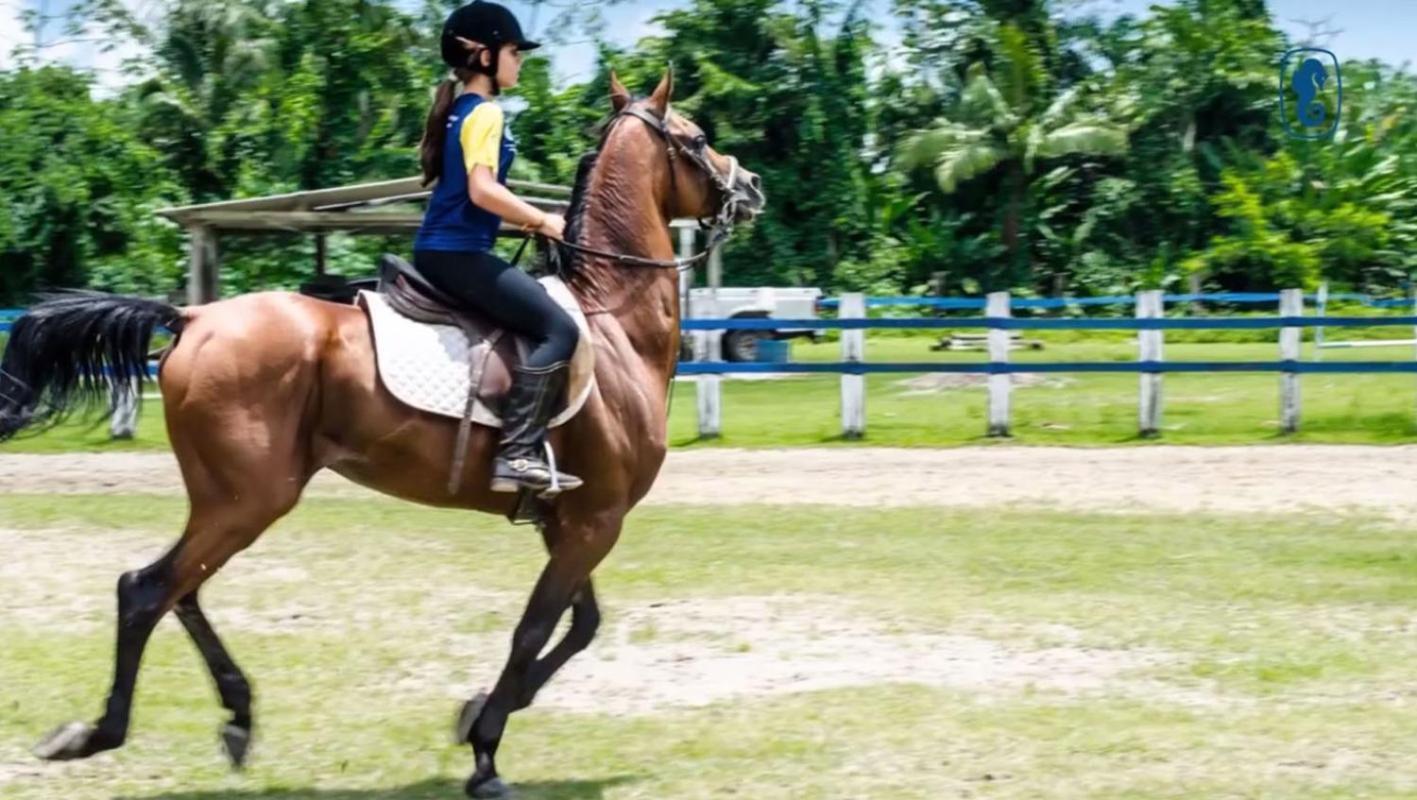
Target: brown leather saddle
[[491, 351], [411, 295]]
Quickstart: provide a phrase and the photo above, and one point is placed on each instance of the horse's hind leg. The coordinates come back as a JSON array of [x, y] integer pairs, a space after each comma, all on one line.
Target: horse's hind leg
[[239, 390], [213, 536], [143, 597], [231, 684]]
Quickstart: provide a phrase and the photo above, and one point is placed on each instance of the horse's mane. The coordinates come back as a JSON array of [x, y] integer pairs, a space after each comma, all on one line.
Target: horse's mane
[[565, 261], [567, 258]]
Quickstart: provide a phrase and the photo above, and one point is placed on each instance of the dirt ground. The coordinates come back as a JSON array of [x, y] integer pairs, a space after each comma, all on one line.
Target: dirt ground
[[1374, 480], [701, 650], [777, 644]]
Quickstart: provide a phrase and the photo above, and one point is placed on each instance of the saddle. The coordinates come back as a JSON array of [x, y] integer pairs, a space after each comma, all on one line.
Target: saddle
[[445, 360]]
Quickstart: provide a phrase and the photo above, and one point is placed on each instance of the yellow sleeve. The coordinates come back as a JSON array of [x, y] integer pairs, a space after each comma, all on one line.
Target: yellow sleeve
[[482, 137]]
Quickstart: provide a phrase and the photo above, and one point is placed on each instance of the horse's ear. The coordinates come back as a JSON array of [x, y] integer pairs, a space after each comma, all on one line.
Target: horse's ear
[[659, 101], [619, 95]]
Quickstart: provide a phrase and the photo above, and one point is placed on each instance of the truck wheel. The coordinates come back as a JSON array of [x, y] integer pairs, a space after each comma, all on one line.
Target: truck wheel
[[741, 345]]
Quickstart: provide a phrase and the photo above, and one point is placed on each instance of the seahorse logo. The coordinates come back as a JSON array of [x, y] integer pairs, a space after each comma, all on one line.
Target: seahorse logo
[[1308, 81]]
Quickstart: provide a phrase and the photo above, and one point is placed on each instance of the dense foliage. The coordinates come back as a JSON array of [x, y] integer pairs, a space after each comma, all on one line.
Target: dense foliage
[[991, 144]]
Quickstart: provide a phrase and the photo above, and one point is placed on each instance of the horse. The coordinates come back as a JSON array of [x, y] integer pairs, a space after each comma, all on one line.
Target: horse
[[262, 391]]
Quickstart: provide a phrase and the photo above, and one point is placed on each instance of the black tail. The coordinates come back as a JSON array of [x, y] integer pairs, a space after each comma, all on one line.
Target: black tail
[[65, 352]]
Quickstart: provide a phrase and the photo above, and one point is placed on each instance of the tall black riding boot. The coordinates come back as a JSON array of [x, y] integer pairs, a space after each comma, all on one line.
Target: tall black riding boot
[[521, 460]]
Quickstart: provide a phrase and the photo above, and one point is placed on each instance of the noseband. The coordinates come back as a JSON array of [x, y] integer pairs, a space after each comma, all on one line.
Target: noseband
[[718, 226]]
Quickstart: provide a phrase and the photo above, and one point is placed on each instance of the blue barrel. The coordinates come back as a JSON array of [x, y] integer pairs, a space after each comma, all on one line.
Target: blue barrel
[[772, 351]]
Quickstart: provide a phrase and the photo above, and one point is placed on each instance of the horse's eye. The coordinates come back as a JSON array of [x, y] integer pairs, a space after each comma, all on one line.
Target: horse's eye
[[700, 142]]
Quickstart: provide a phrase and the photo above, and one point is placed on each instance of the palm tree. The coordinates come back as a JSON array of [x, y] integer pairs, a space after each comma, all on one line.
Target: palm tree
[[210, 57], [993, 130]]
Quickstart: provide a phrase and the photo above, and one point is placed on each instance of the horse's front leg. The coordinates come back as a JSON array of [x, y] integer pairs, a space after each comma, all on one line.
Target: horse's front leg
[[565, 577], [585, 620]]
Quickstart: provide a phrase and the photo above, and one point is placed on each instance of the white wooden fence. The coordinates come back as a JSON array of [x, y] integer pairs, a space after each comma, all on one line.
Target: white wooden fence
[[1150, 357]]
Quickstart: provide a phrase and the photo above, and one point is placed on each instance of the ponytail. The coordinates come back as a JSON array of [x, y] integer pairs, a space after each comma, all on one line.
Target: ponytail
[[435, 130]]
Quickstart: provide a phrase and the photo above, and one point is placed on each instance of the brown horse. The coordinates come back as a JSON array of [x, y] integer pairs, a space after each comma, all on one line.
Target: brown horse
[[261, 392]]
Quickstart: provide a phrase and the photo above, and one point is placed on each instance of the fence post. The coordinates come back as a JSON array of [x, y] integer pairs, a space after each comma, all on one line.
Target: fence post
[[203, 270], [714, 339], [1412, 308], [1320, 309], [686, 285], [1149, 347], [853, 349], [709, 388], [686, 277], [997, 307], [124, 401], [708, 346], [1291, 304]]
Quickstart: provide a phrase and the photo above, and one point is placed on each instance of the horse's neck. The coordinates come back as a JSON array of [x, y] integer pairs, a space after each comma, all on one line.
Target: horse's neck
[[644, 301]]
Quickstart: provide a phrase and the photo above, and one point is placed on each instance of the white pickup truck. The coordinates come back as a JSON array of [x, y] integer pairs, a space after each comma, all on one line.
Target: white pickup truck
[[762, 302]]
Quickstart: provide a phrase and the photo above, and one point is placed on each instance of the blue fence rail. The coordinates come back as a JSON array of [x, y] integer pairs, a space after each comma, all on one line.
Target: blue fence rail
[[7, 316], [1044, 324], [1233, 298], [1149, 323], [1026, 324], [1288, 365], [992, 368]]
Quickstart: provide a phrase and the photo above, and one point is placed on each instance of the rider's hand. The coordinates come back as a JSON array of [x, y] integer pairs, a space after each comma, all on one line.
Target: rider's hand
[[553, 226]]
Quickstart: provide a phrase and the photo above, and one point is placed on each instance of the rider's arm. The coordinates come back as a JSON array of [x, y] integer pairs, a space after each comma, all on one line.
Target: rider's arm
[[481, 141]]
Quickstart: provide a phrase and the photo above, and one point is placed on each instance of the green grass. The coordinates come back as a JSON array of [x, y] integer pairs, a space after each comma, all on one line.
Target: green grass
[[1079, 410], [90, 434], [1297, 629]]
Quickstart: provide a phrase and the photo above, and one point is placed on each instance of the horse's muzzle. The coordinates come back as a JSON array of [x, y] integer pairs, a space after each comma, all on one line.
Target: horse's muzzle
[[748, 196]]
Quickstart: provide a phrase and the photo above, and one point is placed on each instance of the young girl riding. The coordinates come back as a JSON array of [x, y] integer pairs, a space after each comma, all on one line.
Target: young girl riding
[[468, 150]]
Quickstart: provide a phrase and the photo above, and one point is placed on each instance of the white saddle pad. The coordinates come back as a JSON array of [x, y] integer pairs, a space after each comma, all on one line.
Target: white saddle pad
[[427, 366]]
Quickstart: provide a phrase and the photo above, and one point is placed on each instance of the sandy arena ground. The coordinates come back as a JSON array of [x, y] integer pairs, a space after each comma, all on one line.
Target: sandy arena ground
[[1287, 478], [709, 650]]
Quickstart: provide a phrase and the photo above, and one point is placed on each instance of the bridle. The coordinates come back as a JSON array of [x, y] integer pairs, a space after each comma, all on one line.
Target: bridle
[[719, 225]]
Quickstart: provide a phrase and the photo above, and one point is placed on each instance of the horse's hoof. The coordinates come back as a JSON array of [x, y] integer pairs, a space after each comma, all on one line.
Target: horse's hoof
[[467, 717], [235, 740], [69, 742], [488, 788]]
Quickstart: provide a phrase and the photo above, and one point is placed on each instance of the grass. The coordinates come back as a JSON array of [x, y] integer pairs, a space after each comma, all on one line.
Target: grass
[[1077, 410], [1297, 629]]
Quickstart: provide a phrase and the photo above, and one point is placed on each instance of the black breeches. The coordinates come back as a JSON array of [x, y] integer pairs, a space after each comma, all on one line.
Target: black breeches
[[510, 297]]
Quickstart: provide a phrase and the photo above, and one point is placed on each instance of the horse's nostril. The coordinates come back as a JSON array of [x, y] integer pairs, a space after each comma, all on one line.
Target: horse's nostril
[[756, 183]]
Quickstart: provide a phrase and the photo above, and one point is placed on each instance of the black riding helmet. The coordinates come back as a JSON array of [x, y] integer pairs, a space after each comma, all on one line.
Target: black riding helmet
[[487, 23]]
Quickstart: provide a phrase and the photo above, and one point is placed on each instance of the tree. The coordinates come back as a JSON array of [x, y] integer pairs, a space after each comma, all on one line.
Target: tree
[[789, 99], [79, 191], [1340, 209], [994, 130]]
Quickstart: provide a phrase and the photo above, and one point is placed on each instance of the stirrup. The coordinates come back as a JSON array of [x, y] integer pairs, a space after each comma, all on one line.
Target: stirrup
[[555, 488]]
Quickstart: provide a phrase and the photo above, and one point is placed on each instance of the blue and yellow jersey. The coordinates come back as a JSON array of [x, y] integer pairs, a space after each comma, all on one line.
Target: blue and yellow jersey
[[476, 135]]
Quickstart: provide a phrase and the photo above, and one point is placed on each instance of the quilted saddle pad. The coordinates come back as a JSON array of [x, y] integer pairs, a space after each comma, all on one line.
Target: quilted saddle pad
[[429, 367]]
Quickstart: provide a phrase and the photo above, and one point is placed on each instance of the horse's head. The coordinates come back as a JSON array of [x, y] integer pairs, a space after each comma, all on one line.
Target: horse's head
[[702, 182]]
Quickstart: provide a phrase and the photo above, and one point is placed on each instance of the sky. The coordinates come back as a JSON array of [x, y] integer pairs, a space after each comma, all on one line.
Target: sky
[[1383, 29]]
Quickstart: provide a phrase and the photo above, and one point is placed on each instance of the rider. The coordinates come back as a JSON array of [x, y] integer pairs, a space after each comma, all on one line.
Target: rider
[[467, 149]]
